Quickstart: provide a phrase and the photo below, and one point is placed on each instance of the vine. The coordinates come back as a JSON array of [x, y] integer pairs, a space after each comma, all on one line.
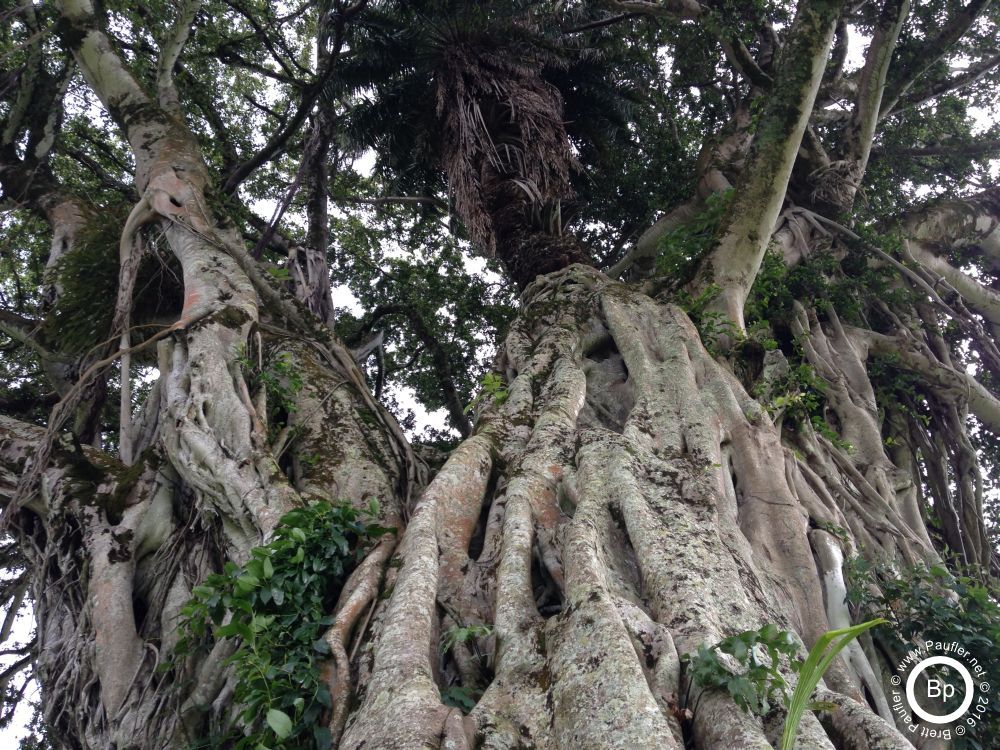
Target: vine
[[276, 607]]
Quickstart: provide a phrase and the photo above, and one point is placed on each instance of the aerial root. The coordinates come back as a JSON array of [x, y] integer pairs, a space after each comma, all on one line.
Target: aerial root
[[359, 592], [685, 497], [402, 682]]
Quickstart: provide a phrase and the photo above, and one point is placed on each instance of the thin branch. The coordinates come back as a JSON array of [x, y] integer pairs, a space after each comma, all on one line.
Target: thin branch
[[22, 330], [600, 23], [983, 148], [677, 9], [391, 199], [311, 94], [170, 54], [456, 410], [921, 59], [972, 74]]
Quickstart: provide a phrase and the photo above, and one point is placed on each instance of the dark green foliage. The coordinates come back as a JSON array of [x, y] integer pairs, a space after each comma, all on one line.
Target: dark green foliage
[[22, 253], [752, 675], [799, 396], [465, 697], [756, 684], [849, 282], [36, 736], [442, 317], [681, 248], [462, 698], [935, 604], [279, 604], [88, 277]]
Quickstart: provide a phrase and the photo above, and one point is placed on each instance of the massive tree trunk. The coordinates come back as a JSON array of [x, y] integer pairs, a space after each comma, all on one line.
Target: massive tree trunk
[[627, 474], [629, 495]]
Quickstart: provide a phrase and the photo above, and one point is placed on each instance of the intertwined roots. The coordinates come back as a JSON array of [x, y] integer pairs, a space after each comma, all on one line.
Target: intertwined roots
[[627, 502]]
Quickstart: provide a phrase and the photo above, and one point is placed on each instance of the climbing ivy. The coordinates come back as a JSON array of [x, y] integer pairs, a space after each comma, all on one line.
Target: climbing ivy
[[752, 675], [276, 608]]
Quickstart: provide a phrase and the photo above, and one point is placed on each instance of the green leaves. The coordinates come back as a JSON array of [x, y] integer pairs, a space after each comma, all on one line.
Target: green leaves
[[938, 604], [752, 677], [280, 722], [493, 387], [462, 635], [756, 654], [462, 698], [277, 608], [815, 666]]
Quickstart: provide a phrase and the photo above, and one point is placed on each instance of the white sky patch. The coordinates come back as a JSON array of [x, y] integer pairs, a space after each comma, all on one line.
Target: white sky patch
[[24, 625], [365, 163], [343, 297]]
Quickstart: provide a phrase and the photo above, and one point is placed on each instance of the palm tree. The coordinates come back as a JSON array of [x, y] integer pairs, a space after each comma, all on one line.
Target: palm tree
[[468, 80]]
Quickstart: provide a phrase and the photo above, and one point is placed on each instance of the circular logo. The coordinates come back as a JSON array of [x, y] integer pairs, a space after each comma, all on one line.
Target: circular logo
[[945, 694], [927, 715]]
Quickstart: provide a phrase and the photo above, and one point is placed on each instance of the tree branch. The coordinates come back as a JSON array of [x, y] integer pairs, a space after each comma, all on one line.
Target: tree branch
[[390, 199], [456, 410], [857, 142], [681, 10], [982, 403], [914, 62], [170, 54], [733, 263], [982, 148], [971, 74]]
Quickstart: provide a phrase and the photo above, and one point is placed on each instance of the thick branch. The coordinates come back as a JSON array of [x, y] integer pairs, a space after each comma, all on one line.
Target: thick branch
[[860, 133], [981, 148], [959, 222], [734, 262], [170, 54], [146, 126], [982, 403]]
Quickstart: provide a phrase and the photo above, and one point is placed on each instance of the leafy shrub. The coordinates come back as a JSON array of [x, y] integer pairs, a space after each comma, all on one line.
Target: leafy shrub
[[935, 604], [465, 697], [279, 605], [759, 682], [800, 395]]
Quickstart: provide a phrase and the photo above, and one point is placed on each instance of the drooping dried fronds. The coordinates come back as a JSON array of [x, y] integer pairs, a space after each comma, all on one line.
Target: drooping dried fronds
[[501, 121]]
